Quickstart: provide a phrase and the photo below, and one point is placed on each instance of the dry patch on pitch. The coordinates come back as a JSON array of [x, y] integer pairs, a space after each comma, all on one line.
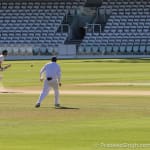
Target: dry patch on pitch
[[115, 84], [76, 92]]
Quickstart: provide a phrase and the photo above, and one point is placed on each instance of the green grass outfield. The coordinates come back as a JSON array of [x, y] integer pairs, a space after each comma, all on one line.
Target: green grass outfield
[[26, 73], [95, 121]]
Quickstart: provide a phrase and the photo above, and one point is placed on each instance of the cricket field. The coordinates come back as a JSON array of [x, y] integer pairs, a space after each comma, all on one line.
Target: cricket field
[[106, 106]]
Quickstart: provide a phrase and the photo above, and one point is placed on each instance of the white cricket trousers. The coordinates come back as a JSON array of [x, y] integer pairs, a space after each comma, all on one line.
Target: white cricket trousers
[[47, 87]]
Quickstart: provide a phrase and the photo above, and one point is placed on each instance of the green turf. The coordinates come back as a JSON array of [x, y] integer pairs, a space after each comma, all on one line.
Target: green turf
[[97, 119], [23, 74]]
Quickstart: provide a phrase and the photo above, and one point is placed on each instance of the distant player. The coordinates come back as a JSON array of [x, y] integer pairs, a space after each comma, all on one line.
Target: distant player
[[52, 80], [2, 58]]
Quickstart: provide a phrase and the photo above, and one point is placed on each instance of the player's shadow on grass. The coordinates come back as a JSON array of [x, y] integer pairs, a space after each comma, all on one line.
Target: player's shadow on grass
[[64, 107]]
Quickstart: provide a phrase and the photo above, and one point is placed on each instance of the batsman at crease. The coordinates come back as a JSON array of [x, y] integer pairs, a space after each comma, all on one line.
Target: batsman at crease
[[2, 58]]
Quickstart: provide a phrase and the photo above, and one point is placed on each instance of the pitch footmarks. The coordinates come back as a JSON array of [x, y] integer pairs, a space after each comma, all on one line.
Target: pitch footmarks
[[7, 92]]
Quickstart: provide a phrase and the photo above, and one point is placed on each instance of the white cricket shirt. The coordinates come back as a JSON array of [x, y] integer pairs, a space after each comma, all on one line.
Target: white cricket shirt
[[51, 70], [1, 58]]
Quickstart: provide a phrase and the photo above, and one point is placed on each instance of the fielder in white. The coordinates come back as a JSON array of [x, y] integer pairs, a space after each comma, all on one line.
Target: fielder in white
[[52, 80]]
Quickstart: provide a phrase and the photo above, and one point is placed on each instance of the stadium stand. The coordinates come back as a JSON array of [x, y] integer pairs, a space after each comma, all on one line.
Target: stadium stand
[[34, 24], [126, 31]]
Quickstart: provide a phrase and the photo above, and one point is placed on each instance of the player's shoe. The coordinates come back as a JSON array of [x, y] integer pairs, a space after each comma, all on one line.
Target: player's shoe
[[37, 105], [57, 106]]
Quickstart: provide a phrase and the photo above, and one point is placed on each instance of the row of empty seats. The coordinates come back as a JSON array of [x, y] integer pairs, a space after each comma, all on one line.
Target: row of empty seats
[[34, 23], [113, 49], [117, 40], [126, 2], [37, 39], [29, 50], [37, 4], [127, 29]]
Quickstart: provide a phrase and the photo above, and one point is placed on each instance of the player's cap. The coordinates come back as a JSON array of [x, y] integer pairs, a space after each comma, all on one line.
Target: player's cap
[[4, 52], [54, 59]]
